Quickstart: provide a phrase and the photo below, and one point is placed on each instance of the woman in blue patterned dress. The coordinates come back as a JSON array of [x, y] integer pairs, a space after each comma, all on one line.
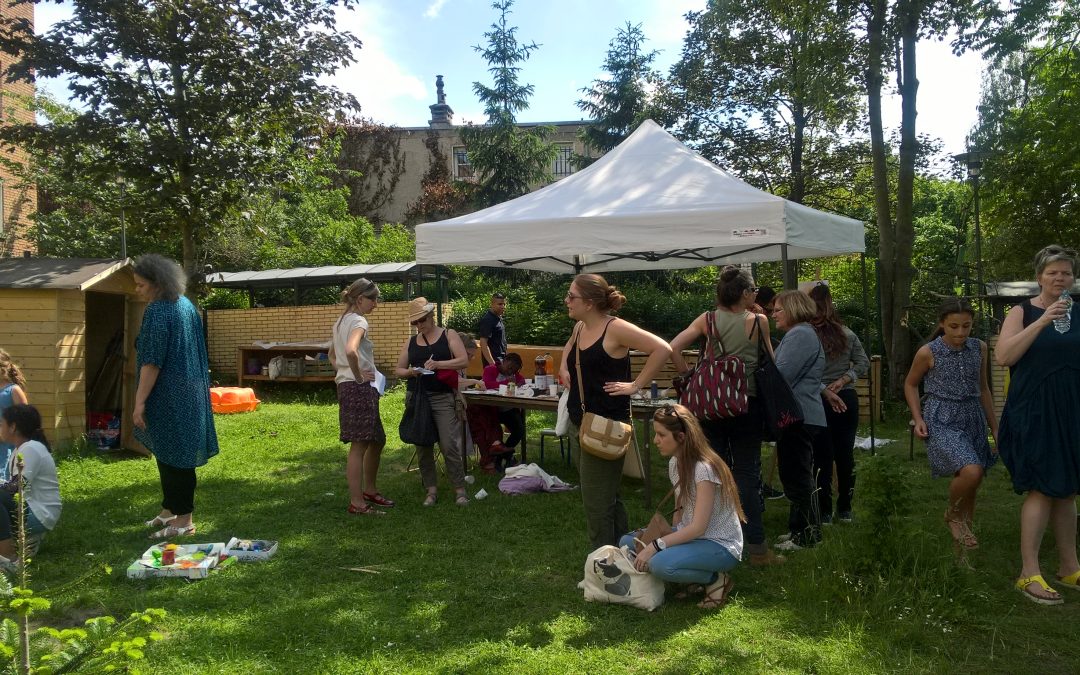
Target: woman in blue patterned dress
[[959, 408], [1040, 426], [172, 414]]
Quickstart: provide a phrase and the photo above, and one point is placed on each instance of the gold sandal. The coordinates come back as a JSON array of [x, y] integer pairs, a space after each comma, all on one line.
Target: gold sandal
[[716, 593]]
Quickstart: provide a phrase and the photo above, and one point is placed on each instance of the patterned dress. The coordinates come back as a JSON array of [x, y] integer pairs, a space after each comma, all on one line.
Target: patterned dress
[[953, 412], [179, 422]]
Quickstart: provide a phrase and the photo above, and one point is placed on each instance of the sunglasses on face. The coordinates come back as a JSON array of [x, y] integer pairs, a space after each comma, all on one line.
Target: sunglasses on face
[[418, 321]]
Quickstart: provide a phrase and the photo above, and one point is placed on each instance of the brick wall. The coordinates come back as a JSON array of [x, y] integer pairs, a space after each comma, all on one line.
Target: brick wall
[[231, 328], [19, 201]]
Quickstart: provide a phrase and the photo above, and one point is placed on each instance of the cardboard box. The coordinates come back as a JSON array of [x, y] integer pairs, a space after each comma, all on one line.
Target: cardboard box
[[193, 561], [267, 549]]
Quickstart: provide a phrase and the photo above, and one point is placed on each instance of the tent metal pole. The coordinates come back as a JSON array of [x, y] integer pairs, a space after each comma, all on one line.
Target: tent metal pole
[[789, 283], [870, 373]]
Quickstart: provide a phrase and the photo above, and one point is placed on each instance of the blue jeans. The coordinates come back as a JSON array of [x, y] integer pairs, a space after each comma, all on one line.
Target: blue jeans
[[695, 562]]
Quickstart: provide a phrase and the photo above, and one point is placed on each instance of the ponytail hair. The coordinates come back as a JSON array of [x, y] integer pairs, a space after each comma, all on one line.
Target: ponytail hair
[[27, 422], [11, 371], [951, 306], [595, 289]]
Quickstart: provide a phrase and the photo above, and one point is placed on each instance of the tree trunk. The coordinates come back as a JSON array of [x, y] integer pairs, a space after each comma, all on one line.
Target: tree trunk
[[904, 232], [875, 78], [798, 176]]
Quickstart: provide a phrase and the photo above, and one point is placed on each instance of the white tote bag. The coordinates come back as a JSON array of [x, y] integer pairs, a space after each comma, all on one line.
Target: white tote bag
[[562, 422], [610, 577]]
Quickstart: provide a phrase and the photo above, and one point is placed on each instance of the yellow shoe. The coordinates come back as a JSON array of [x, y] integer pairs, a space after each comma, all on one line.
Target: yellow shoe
[[1022, 586], [1071, 581]]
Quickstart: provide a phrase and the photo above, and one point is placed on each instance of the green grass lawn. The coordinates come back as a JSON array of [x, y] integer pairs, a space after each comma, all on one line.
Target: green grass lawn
[[491, 587]]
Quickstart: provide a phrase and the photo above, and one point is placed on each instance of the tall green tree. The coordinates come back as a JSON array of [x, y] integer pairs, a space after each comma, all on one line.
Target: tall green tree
[[1030, 122], [760, 83], [195, 104], [617, 103], [508, 160]]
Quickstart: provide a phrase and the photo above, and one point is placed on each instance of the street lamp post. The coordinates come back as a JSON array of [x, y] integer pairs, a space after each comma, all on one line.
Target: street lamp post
[[973, 160]]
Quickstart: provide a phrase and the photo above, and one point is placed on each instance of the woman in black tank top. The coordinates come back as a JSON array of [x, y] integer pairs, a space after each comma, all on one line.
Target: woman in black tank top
[[605, 343], [435, 349]]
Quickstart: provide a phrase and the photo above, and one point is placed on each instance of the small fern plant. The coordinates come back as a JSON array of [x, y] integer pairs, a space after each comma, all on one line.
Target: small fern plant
[[103, 644]]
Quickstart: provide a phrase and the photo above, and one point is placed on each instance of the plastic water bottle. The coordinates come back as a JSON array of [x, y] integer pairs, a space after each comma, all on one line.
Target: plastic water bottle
[[1064, 323]]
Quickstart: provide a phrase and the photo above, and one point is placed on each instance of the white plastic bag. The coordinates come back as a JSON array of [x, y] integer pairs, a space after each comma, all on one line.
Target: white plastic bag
[[610, 577], [277, 367], [562, 423]]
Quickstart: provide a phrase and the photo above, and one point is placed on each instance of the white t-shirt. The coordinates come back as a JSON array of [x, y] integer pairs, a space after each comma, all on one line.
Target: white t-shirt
[[342, 329], [724, 527], [41, 484]]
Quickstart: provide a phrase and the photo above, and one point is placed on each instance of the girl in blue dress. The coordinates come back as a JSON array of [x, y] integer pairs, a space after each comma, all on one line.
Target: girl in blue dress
[[959, 407]]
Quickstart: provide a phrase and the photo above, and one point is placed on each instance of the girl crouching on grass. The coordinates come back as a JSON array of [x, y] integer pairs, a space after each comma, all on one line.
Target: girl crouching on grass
[[32, 464], [707, 541], [959, 408]]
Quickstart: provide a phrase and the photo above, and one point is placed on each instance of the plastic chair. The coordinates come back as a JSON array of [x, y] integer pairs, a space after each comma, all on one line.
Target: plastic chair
[[564, 450]]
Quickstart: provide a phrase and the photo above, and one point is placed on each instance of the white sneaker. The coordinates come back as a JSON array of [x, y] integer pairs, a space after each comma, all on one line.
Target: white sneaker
[[10, 566], [784, 537], [787, 545]]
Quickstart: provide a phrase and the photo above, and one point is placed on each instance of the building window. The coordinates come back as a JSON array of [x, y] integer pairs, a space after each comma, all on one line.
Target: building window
[[462, 168], [564, 160]]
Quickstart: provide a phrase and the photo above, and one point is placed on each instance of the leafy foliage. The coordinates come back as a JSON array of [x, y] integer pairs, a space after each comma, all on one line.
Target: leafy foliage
[[1030, 121], [617, 103], [441, 196], [370, 165], [194, 104], [508, 159], [761, 85]]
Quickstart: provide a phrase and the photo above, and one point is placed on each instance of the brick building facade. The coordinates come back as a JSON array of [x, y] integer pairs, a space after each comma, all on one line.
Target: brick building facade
[[17, 201]]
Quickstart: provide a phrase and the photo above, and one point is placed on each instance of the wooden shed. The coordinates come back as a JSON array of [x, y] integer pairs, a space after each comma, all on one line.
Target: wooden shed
[[70, 324]]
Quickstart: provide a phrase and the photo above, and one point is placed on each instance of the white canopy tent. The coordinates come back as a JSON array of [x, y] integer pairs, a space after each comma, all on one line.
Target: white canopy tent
[[651, 203]]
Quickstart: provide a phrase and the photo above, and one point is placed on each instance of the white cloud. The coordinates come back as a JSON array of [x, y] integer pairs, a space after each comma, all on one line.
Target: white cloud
[[432, 12], [382, 87]]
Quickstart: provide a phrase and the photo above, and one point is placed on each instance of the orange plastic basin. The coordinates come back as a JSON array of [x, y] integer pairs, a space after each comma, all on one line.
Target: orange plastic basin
[[232, 399]]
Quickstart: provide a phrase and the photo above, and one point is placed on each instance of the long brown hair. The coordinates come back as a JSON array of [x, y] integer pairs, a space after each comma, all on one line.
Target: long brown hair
[[11, 371], [827, 322], [694, 448]]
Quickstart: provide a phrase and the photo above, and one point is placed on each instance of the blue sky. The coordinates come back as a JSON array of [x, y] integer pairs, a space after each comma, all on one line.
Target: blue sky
[[408, 42]]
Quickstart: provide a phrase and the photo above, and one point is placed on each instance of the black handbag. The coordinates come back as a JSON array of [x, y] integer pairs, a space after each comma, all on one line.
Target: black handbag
[[774, 392], [418, 423]]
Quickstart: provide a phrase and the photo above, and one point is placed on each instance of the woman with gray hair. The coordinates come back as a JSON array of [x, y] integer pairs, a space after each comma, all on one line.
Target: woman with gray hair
[[172, 414], [1039, 434]]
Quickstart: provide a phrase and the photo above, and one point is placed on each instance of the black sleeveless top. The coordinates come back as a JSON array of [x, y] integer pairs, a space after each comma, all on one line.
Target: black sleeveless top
[[598, 368], [418, 356]]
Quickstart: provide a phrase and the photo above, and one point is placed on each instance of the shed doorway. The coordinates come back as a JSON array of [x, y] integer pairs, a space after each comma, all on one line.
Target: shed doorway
[[105, 357]]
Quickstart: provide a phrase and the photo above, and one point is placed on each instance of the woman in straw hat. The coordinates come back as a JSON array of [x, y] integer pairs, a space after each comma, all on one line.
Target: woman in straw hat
[[353, 354], [437, 349]]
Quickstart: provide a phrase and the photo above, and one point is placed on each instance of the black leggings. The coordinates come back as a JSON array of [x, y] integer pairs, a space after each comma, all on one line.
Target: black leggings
[[177, 488], [837, 444], [514, 421]]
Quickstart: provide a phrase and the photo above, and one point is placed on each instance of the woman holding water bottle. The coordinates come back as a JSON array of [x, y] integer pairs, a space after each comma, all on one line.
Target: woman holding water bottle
[[1040, 427]]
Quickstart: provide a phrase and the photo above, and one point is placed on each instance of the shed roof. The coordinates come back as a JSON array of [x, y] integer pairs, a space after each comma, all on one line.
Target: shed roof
[[57, 273], [314, 276], [1018, 289]]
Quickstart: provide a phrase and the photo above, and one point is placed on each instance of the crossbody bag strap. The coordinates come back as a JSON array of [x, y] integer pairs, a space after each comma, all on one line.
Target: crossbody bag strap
[[577, 367]]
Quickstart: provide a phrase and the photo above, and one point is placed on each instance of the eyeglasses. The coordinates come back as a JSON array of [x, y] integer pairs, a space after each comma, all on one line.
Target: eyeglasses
[[420, 320], [571, 296], [777, 310]]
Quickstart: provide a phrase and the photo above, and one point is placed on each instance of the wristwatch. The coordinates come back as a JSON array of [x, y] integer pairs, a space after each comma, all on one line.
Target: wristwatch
[[660, 545]]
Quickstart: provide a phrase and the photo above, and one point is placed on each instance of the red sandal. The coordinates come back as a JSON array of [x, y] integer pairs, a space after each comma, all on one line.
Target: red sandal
[[378, 499], [365, 510]]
